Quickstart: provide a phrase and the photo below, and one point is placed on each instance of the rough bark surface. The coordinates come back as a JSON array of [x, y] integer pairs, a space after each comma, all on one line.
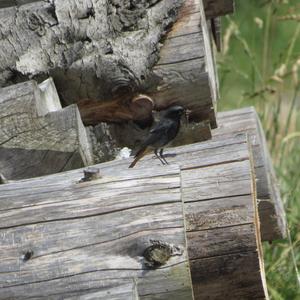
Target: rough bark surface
[[213, 8], [61, 238], [92, 49], [111, 51]]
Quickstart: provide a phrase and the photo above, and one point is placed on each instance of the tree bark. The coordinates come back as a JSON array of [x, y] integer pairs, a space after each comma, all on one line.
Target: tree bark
[[92, 49], [110, 51]]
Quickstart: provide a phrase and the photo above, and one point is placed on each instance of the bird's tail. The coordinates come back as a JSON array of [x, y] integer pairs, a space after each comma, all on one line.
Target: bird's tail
[[138, 156]]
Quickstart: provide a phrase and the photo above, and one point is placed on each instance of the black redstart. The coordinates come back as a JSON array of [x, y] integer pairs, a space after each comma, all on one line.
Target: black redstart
[[161, 134]]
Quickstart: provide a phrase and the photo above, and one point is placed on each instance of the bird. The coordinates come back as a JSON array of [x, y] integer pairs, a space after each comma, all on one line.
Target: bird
[[161, 134]]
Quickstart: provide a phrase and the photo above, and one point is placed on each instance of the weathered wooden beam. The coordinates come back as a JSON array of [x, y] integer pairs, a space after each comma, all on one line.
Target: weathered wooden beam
[[185, 72], [272, 215], [221, 222], [65, 238], [37, 136], [216, 8], [221, 214]]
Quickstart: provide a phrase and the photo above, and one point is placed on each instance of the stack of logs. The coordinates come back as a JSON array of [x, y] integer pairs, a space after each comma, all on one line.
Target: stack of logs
[[192, 229]]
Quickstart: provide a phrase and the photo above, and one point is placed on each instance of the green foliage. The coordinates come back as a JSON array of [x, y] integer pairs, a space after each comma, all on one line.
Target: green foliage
[[260, 65]]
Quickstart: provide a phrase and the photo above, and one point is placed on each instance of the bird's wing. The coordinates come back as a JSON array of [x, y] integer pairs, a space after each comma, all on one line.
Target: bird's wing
[[162, 127], [157, 133]]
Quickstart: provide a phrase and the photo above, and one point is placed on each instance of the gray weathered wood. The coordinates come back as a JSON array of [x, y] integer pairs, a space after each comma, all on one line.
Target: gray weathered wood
[[37, 136], [89, 48], [272, 215], [221, 217], [185, 71], [87, 239], [86, 46]]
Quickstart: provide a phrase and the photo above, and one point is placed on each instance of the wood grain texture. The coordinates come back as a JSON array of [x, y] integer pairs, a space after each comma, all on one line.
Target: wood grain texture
[[87, 239], [37, 136], [272, 215], [221, 221], [216, 185], [185, 74]]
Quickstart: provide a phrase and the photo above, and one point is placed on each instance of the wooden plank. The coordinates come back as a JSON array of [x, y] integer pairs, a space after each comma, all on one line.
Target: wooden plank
[[90, 234], [37, 136], [185, 74], [272, 215]]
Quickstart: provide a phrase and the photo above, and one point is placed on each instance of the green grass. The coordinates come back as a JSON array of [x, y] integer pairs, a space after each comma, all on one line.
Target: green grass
[[260, 66]]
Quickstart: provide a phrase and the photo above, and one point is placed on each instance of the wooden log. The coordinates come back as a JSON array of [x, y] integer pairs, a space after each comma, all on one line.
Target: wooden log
[[61, 238], [37, 136], [89, 48], [222, 223], [185, 72], [218, 190], [272, 215]]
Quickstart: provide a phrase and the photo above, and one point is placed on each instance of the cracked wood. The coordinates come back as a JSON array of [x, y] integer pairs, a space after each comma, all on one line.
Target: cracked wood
[[37, 136], [272, 215], [99, 237]]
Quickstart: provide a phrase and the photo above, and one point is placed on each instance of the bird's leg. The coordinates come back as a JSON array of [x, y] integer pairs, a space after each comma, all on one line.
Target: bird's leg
[[155, 152], [162, 156]]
